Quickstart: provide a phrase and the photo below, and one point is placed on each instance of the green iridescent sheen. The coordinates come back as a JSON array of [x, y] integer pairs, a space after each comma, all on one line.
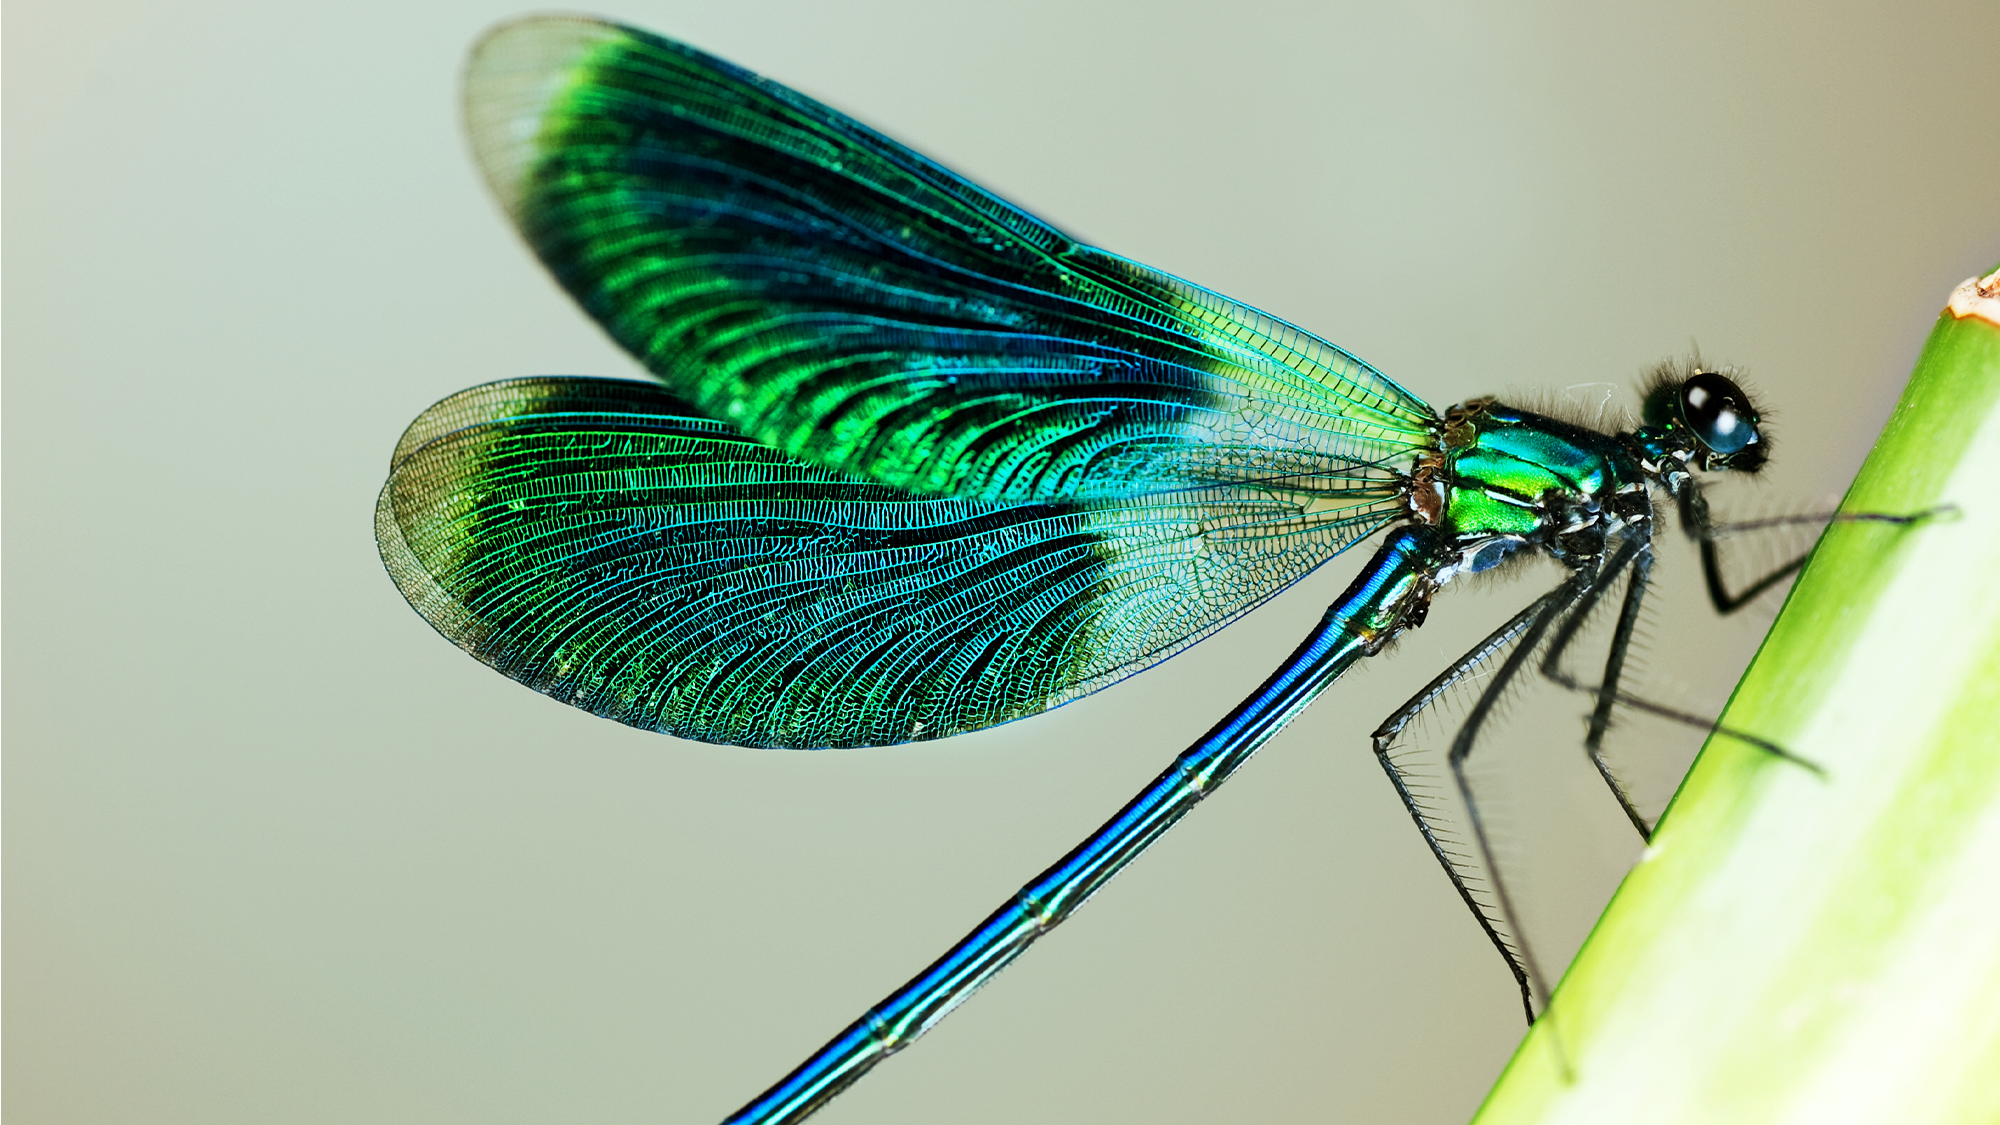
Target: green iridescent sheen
[[1515, 460], [1570, 460], [603, 543], [851, 303], [923, 463], [1480, 514], [970, 467]]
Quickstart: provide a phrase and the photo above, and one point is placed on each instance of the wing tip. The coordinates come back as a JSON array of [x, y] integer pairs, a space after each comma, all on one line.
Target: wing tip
[[414, 581], [515, 72]]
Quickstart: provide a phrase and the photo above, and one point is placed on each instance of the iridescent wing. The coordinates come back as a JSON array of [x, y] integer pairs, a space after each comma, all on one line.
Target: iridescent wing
[[848, 302], [602, 542]]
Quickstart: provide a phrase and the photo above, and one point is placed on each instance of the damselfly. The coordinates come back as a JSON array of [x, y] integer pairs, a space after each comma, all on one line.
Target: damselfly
[[918, 464]]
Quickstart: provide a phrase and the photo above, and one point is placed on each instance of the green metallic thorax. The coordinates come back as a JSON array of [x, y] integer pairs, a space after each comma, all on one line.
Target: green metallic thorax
[[1515, 474]]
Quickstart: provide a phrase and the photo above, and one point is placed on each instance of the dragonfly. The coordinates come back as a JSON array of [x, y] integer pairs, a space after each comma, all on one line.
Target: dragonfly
[[916, 463]]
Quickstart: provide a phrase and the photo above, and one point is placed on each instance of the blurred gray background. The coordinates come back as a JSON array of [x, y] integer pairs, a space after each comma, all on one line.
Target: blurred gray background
[[276, 852]]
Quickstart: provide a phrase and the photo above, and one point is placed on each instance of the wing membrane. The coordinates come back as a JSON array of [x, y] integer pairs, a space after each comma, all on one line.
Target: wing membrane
[[841, 298], [602, 542]]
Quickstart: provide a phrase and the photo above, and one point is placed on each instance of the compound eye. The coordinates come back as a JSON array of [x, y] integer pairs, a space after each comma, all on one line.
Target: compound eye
[[1718, 413]]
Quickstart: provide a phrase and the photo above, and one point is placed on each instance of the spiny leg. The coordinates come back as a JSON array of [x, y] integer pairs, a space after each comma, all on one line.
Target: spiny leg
[[1638, 555], [1699, 525], [1532, 620], [1391, 727], [1607, 694], [1696, 518], [1573, 588]]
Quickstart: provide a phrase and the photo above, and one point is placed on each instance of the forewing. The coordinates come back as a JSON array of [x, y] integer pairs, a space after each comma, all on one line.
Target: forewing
[[835, 295], [601, 542]]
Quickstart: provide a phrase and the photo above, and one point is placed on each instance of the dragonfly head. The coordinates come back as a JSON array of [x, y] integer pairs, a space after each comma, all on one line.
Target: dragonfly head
[[1704, 417]]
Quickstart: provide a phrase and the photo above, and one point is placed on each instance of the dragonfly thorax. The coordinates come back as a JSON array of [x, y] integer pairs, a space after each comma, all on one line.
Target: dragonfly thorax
[[1507, 480]]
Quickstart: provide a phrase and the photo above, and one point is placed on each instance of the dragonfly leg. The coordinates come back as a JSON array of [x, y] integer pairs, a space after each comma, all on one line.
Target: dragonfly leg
[[1565, 597], [1701, 526], [1528, 624], [1638, 555]]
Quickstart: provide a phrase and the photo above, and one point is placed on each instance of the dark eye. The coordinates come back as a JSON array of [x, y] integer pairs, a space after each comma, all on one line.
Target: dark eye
[[1718, 413]]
